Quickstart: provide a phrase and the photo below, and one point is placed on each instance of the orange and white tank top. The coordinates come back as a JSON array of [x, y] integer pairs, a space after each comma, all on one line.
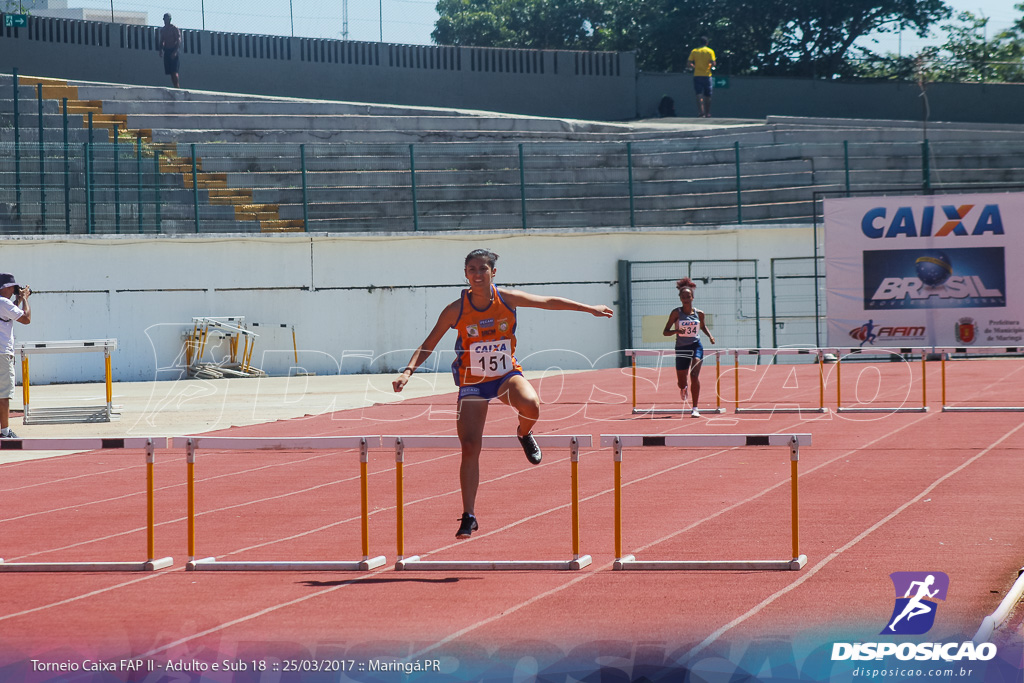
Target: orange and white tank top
[[486, 344]]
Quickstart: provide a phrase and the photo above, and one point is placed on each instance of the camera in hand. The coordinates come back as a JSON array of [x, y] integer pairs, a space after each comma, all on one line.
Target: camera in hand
[[17, 291]]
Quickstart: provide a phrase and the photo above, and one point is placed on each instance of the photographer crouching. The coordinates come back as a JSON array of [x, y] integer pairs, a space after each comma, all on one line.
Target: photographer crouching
[[13, 307]]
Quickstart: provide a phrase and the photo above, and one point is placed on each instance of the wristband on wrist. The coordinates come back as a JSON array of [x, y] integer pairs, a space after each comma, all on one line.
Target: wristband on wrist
[[408, 369]]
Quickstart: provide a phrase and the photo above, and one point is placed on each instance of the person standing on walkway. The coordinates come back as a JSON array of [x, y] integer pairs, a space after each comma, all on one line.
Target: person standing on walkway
[[170, 43], [485, 367], [702, 61], [686, 323], [13, 307]]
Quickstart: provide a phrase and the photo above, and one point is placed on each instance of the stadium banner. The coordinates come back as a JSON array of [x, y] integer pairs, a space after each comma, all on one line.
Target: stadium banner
[[939, 270]]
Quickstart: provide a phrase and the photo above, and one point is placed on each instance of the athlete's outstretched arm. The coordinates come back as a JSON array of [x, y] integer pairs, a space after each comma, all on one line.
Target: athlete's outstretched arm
[[449, 316], [517, 299]]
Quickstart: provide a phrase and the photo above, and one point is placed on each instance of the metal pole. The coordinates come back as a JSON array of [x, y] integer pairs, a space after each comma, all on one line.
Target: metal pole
[[42, 154], [629, 166], [412, 184], [757, 310], [846, 164], [138, 177], [67, 171], [926, 171], [90, 179], [156, 188], [305, 192], [195, 186], [291, 16], [117, 185], [775, 325], [739, 196], [17, 149], [522, 184], [86, 155]]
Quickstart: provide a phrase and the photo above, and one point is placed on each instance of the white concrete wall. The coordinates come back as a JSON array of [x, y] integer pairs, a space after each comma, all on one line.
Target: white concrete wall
[[359, 303]]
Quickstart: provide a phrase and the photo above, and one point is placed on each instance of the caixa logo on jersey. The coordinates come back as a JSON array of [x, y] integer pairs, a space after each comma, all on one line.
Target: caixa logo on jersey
[[932, 221]]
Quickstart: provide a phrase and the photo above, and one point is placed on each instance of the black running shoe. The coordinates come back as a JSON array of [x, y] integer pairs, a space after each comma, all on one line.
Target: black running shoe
[[467, 525], [531, 448]]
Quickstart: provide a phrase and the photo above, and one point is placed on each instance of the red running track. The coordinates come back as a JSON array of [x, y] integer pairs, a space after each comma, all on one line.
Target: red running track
[[880, 493]]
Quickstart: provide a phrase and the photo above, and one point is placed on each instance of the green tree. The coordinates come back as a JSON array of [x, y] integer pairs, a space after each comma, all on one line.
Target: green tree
[[770, 37], [969, 54], [538, 24]]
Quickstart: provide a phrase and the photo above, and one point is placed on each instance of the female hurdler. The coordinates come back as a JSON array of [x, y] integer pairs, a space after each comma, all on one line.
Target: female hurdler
[[485, 366], [686, 323]]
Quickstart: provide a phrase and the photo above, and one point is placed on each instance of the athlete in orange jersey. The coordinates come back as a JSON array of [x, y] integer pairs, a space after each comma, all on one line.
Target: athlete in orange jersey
[[485, 367]]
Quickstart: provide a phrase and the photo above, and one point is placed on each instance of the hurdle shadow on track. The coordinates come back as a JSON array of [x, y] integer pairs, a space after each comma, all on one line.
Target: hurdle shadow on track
[[383, 580]]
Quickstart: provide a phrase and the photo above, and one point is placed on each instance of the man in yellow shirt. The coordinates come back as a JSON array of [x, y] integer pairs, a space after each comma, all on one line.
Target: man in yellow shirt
[[702, 61]]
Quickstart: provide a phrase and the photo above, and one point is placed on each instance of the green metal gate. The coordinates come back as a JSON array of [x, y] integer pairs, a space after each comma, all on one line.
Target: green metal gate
[[727, 292]]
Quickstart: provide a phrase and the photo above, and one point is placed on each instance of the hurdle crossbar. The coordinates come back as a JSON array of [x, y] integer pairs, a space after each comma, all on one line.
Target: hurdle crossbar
[[773, 352], [400, 443], [634, 353], [793, 441], [977, 350], [363, 443], [150, 444], [923, 408]]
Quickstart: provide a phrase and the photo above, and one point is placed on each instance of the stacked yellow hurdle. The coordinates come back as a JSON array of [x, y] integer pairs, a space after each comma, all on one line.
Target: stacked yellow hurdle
[[216, 184]]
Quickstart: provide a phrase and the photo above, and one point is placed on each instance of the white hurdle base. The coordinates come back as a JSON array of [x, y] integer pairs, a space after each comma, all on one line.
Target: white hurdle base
[[983, 409], [629, 562], [414, 563], [677, 411], [894, 409], [780, 410], [210, 564], [82, 414], [147, 566]]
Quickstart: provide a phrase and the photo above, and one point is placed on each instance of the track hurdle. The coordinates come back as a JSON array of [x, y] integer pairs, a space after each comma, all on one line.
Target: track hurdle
[[793, 441], [37, 415], [229, 443], [980, 350], [400, 443], [670, 353], [923, 408], [150, 444], [772, 352]]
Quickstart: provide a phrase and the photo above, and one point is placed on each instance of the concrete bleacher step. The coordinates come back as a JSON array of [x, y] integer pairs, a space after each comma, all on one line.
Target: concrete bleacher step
[[574, 171]]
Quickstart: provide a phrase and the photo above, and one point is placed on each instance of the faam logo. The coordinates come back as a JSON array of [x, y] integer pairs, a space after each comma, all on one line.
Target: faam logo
[[923, 222], [914, 612], [869, 333]]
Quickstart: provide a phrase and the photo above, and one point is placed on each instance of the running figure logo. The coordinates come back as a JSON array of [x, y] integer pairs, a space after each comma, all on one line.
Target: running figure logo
[[914, 612], [865, 333]]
